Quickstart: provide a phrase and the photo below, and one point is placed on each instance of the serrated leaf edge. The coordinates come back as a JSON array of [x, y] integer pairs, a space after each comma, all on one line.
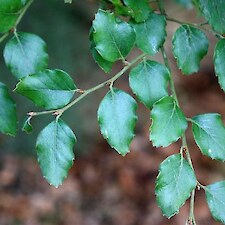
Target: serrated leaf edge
[[177, 58], [154, 52], [119, 51], [210, 209], [176, 212], [154, 143], [131, 138], [194, 122], [71, 162], [215, 64]]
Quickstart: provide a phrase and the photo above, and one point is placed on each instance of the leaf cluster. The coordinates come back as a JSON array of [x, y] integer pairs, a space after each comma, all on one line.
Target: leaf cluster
[[117, 29]]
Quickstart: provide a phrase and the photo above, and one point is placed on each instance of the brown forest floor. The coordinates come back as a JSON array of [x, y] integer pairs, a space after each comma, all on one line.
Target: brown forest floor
[[102, 189]]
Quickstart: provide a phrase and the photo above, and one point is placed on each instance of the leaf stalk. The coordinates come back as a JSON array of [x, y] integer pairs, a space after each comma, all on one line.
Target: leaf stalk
[[196, 25]]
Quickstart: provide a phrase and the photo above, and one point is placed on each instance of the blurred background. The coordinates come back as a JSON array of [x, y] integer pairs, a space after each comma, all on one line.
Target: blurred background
[[102, 188]]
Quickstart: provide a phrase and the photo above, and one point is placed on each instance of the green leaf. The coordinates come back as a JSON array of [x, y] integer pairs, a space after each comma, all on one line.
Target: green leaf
[[150, 35], [219, 59], [209, 135], [174, 184], [122, 10], [149, 80], [51, 89], [104, 64], [9, 13], [55, 151], [190, 45], [68, 1], [8, 118], [186, 3], [27, 127], [215, 197], [113, 37], [213, 11], [140, 9], [25, 54], [116, 2], [117, 119], [168, 122]]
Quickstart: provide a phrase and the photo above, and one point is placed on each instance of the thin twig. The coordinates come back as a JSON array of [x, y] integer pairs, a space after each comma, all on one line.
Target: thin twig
[[172, 85], [23, 11], [93, 89], [196, 25], [184, 140]]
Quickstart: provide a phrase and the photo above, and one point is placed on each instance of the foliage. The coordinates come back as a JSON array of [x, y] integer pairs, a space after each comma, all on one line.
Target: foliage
[[116, 30]]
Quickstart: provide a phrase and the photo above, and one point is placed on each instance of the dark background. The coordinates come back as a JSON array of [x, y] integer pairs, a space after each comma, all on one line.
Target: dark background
[[102, 188]]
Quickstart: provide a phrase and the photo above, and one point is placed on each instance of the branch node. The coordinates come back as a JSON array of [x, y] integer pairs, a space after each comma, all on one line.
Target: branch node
[[80, 91], [190, 221], [57, 113], [125, 63], [31, 114]]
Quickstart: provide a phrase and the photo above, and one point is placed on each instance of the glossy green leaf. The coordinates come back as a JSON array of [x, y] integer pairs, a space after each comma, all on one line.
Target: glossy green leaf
[[140, 9], [117, 119], [209, 134], [51, 89], [27, 127], [175, 181], [119, 8], [149, 81], [8, 118], [104, 64], [55, 151], [116, 2], [190, 45], [219, 59], [68, 1], [213, 11], [186, 3], [215, 196], [113, 37], [168, 122], [122, 10], [150, 34], [25, 54], [9, 13]]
